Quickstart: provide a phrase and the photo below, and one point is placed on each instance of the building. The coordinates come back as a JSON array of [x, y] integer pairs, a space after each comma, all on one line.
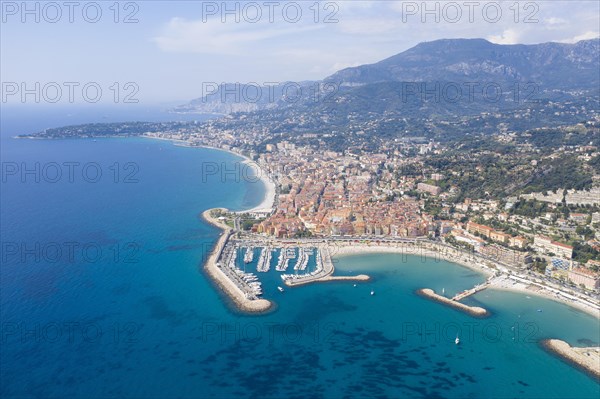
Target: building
[[504, 255], [462, 237], [586, 277], [480, 229], [446, 226], [545, 244], [592, 263], [428, 188], [583, 197], [500, 237], [578, 218], [519, 242], [437, 176]]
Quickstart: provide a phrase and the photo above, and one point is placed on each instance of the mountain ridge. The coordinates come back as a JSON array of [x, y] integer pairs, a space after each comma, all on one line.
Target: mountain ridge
[[560, 69]]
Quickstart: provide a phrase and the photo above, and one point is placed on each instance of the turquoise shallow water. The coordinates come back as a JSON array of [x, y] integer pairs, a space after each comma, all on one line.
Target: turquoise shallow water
[[148, 323]]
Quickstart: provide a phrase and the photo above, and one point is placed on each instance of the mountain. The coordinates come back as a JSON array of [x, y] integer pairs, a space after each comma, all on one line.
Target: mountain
[[228, 98], [547, 72], [551, 65]]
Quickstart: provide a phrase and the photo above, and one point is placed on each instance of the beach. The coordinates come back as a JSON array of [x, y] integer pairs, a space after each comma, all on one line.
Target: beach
[[258, 174], [509, 283], [268, 203], [423, 249], [514, 284]]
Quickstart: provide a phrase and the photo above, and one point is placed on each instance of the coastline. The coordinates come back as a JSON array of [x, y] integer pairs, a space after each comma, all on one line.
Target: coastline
[[268, 203], [220, 279], [471, 262], [265, 206], [585, 359], [340, 251], [529, 289], [425, 249]]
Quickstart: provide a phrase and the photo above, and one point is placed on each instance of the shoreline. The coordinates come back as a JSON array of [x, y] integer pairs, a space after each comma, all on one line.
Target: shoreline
[[474, 264], [268, 202], [584, 359], [362, 249], [522, 288], [267, 205], [220, 279], [425, 249]]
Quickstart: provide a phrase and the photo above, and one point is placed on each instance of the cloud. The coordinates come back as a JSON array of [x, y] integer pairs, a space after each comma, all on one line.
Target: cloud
[[215, 37], [508, 36], [555, 21], [585, 36]]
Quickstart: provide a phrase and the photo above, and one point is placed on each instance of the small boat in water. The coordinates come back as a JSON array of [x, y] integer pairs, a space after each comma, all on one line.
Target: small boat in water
[[280, 289], [457, 340], [372, 292]]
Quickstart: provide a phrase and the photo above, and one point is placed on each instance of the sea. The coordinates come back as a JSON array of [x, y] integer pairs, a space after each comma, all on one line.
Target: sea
[[102, 292]]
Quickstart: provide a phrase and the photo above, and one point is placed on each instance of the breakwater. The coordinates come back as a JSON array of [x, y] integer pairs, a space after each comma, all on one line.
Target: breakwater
[[475, 311]]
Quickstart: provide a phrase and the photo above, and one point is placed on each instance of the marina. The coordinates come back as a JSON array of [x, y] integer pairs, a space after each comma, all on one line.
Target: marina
[[312, 263], [264, 260], [285, 255], [249, 255]]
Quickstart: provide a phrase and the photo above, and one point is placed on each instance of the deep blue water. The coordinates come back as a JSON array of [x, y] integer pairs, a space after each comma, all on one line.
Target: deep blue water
[[102, 295]]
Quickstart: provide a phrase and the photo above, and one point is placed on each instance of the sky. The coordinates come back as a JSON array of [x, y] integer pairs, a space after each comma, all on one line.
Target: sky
[[162, 53]]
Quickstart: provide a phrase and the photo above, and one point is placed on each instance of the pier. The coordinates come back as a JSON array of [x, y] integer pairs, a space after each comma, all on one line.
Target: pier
[[453, 302], [475, 311], [474, 290]]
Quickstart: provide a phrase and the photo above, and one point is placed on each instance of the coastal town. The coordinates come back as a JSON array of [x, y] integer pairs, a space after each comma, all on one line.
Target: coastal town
[[552, 237], [522, 208], [466, 195], [300, 199], [340, 204]]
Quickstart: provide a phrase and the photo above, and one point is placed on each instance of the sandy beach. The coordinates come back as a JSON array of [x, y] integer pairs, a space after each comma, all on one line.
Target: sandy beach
[[221, 280], [512, 283], [424, 250], [587, 359], [268, 202]]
